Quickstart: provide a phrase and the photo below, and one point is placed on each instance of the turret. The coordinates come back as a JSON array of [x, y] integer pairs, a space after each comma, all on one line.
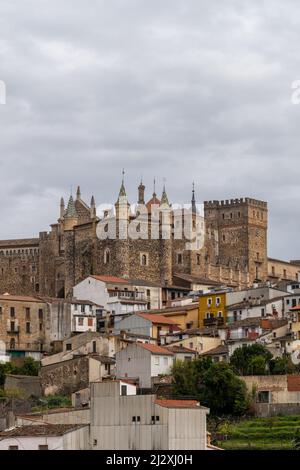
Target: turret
[[141, 188], [62, 208]]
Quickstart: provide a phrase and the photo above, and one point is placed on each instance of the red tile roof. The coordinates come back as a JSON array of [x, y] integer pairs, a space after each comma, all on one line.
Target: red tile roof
[[181, 349], [112, 279], [297, 307], [40, 430], [153, 201], [157, 319], [178, 403], [154, 349]]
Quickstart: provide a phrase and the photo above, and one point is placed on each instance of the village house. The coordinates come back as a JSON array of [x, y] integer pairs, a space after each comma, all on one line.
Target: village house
[[212, 309], [23, 321], [143, 362], [46, 437], [255, 308], [152, 325], [70, 375], [119, 296], [181, 353]]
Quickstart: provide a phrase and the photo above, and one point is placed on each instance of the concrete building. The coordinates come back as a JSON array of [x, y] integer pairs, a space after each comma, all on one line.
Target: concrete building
[[200, 343], [181, 353], [142, 422], [46, 437], [143, 362]]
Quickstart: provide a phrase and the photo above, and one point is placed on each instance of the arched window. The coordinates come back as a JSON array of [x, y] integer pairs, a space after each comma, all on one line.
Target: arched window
[[107, 256], [144, 259]]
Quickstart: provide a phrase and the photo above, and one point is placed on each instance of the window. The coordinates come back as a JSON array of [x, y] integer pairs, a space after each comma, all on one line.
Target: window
[[82, 308], [165, 361], [69, 347], [191, 345], [198, 260], [273, 270], [43, 447], [41, 314], [12, 343], [80, 321], [209, 302], [144, 259], [90, 322], [218, 301], [107, 256], [94, 347], [263, 397], [262, 312], [12, 312], [156, 360], [220, 314], [124, 390], [13, 448], [27, 327], [12, 326], [138, 419], [41, 326], [284, 273], [179, 258], [133, 419], [27, 313]]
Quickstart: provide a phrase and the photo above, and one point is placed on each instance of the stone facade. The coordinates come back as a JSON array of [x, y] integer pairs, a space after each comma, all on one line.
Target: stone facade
[[23, 323], [234, 249]]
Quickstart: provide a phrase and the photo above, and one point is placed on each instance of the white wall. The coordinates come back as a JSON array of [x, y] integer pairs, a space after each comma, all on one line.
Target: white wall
[[93, 290]]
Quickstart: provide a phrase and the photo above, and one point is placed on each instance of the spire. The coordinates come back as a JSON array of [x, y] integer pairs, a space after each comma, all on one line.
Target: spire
[[164, 198], [71, 210], [154, 187], [194, 208], [122, 192], [78, 194]]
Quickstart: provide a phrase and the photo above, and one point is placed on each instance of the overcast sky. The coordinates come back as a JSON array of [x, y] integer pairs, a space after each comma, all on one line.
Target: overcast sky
[[177, 89]]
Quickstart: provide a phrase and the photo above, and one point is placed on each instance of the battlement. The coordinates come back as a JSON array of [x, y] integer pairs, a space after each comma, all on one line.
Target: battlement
[[229, 203]]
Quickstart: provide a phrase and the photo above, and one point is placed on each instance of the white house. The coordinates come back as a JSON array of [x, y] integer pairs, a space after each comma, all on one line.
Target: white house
[[143, 361], [118, 296], [256, 308], [46, 437]]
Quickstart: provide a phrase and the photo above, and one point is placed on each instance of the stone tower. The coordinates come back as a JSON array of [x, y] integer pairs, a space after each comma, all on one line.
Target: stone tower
[[237, 235]]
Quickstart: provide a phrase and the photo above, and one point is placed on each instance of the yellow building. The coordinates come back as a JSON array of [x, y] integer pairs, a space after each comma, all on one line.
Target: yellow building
[[185, 316], [212, 309]]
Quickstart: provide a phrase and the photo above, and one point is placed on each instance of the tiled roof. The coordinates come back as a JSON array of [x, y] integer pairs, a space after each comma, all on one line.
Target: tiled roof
[[297, 307], [293, 383], [112, 279], [157, 319], [222, 349], [40, 430], [19, 298], [181, 349], [178, 403], [155, 349]]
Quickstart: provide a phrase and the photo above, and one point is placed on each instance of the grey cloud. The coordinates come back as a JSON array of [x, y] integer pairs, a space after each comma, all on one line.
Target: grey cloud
[[196, 90]]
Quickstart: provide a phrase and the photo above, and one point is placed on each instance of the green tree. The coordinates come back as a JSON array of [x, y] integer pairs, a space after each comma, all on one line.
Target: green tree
[[215, 385], [282, 366], [251, 360]]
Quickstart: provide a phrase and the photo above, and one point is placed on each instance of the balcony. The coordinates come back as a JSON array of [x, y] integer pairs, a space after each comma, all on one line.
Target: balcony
[[214, 321], [128, 295]]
